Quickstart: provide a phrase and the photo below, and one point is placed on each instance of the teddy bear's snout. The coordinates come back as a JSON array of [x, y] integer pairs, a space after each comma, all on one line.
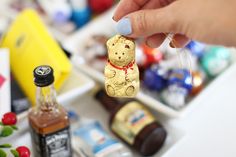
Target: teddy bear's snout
[[119, 57]]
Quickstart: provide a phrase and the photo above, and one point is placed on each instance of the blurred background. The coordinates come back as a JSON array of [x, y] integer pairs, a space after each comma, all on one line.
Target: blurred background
[[189, 91]]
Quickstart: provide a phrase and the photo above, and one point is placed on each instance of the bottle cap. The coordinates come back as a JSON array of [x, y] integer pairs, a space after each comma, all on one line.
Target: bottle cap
[[43, 76]]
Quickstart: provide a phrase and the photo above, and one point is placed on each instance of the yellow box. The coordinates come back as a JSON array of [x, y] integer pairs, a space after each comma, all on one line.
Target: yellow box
[[31, 45]]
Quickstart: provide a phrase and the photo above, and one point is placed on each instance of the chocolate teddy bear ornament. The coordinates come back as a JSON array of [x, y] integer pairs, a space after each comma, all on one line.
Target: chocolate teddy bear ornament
[[121, 71]]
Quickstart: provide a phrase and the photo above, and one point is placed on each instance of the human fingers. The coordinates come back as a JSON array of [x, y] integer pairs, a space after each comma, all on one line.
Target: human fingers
[[127, 6], [179, 40], [144, 23], [155, 40]]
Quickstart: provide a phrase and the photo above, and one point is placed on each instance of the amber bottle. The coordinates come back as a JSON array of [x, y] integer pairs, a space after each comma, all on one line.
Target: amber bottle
[[48, 120], [134, 124]]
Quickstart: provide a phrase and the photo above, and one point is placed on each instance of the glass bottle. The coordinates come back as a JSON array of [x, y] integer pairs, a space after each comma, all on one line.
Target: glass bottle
[[48, 120], [134, 124]]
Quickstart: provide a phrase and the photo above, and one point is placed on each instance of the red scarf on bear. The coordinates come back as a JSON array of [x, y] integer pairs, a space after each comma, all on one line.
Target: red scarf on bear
[[124, 68]]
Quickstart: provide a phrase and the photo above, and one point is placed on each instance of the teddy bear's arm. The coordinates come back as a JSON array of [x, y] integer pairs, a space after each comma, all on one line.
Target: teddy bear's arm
[[133, 75], [109, 73]]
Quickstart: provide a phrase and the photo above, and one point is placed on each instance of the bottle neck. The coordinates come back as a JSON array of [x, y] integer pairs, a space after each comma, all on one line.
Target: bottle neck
[[46, 98], [109, 103]]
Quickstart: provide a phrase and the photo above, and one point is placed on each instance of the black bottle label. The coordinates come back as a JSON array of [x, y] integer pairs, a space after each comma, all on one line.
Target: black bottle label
[[56, 144]]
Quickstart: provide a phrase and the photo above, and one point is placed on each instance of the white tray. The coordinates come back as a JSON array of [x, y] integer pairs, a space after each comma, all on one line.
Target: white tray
[[105, 25]]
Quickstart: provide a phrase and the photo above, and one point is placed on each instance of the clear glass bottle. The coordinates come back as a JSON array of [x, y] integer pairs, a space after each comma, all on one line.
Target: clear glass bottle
[[50, 127]]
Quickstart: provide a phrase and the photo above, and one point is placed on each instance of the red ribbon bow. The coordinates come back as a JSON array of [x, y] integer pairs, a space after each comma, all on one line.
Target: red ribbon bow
[[124, 68]]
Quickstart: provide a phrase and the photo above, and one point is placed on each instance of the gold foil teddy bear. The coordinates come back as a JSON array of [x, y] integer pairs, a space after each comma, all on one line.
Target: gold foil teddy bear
[[121, 71]]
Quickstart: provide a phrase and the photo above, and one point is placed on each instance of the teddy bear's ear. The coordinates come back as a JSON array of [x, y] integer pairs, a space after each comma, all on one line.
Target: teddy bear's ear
[[129, 44], [109, 43], [112, 41]]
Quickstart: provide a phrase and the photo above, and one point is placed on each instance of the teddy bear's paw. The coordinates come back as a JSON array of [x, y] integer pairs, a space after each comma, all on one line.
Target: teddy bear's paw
[[110, 90], [127, 78], [130, 91], [109, 73], [112, 73]]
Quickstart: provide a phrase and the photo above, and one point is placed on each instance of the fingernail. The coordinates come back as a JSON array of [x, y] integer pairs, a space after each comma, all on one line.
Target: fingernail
[[124, 26]]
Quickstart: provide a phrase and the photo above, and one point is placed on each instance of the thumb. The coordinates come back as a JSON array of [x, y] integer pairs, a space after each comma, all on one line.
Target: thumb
[[144, 23]]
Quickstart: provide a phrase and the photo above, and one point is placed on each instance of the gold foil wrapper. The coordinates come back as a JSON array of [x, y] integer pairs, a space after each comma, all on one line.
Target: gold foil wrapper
[[121, 71]]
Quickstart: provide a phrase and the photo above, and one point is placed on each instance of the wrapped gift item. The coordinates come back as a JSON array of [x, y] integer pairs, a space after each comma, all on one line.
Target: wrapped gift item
[[31, 45], [5, 97]]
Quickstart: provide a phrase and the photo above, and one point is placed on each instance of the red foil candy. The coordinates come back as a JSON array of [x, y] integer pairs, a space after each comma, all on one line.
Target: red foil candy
[[99, 6], [152, 55]]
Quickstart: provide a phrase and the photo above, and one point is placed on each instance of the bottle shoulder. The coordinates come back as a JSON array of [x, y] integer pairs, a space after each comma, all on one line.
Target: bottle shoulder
[[115, 111], [48, 121]]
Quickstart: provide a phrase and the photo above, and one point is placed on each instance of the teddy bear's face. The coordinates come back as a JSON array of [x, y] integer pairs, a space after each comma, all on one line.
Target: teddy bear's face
[[120, 50]]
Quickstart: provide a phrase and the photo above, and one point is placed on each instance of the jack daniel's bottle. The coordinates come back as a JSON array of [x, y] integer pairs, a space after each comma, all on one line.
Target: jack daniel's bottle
[[48, 120]]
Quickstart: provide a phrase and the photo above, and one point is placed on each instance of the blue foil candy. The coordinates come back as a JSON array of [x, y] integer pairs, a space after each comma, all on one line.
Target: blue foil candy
[[180, 77], [81, 17], [155, 78], [196, 48]]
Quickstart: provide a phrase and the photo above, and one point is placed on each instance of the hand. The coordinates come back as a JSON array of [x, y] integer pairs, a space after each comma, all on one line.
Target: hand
[[209, 21]]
